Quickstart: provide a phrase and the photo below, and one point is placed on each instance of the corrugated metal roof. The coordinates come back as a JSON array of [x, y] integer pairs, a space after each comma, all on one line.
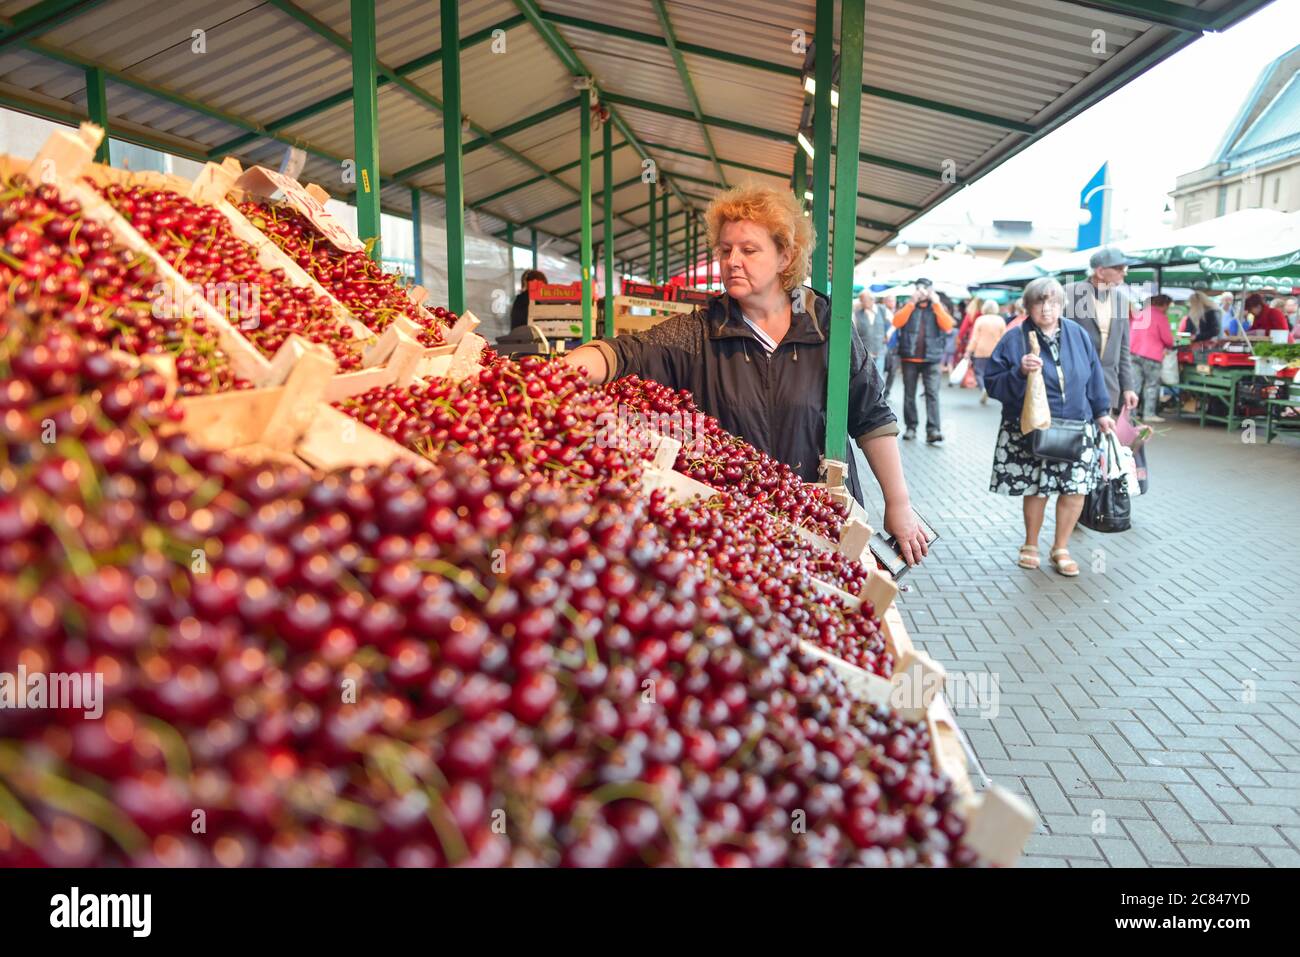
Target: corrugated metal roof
[[1279, 121], [1028, 61]]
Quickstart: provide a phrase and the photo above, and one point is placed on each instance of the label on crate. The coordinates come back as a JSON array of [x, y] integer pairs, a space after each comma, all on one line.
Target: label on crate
[[695, 297], [279, 188], [644, 290], [554, 292]]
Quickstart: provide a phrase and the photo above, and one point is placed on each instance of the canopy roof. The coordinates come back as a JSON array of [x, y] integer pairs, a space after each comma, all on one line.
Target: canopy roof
[[712, 92]]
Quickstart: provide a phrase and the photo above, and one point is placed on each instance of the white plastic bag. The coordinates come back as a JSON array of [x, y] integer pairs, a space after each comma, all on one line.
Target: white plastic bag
[[1121, 463], [958, 373], [1169, 368]]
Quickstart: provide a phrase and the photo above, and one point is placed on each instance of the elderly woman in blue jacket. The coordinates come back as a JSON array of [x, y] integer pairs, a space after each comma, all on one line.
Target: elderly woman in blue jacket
[[1076, 389]]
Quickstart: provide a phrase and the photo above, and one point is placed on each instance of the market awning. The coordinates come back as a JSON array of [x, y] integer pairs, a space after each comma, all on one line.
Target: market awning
[[1189, 244], [713, 94], [1274, 250]]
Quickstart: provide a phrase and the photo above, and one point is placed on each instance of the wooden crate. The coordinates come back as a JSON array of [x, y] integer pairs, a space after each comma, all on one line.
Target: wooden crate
[[661, 309], [263, 185], [61, 161], [264, 423]]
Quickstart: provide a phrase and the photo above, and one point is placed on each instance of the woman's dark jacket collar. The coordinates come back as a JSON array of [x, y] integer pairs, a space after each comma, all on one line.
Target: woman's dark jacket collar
[[725, 320]]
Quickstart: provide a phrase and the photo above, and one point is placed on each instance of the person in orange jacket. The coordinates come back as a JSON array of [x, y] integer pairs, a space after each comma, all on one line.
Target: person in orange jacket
[[923, 324]]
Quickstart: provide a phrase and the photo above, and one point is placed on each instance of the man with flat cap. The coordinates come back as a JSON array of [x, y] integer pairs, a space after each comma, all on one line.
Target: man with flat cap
[[1101, 304]]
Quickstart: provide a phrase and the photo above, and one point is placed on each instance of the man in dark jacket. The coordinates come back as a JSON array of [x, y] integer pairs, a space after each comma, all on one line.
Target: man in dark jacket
[[923, 326], [1101, 304]]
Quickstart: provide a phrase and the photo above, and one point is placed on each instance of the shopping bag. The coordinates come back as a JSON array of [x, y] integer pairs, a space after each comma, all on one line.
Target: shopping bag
[[1035, 413], [1132, 440], [969, 382], [1169, 369], [958, 373], [1108, 507], [1128, 470]]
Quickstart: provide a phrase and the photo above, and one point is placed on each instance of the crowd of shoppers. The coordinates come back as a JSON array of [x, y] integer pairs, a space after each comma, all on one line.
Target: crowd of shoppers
[[1104, 350]]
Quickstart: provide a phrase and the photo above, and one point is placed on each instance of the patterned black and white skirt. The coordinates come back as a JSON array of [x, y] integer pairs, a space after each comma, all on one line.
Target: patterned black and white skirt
[[1017, 471]]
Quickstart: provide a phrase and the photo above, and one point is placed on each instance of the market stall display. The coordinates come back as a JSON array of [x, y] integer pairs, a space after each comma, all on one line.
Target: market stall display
[[490, 616]]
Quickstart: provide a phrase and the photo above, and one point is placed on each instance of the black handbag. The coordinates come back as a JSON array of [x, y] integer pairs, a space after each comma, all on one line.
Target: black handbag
[[1064, 439], [1108, 508]]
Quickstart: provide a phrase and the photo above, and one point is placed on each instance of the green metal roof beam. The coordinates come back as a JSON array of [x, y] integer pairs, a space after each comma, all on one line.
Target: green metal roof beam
[[161, 93], [573, 205], [695, 49], [73, 118], [569, 58], [670, 37], [537, 179], [634, 250], [719, 122], [493, 137], [180, 149], [343, 43], [1015, 126], [486, 137], [344, 96], [40, 17], [767, 172], [792, 71], [1161, 12], [645, 226], [467, 41], [704, 156], [778, 135]]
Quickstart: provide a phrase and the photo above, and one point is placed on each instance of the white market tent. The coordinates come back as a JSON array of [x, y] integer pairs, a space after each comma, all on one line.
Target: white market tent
[[1273, 250]]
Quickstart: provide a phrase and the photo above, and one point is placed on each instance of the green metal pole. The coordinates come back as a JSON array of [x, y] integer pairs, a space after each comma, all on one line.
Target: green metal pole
[[607, 178], [663, 238], [453, 158], [584, 151], [534, 247], [510, 253], [97, 108], [848, 131], [825, 73], [690, 247], [653, 234], [365, 122], [417, 230], [800, 176]]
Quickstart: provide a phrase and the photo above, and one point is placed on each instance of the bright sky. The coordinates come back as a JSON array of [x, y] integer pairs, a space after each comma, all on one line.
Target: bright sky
[[1167, 122]]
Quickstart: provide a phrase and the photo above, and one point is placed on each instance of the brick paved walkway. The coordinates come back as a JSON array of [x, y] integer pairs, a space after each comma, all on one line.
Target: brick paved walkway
[[1149, 709]]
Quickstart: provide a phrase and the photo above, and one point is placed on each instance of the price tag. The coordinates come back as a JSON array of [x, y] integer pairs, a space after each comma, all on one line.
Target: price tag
[[279, 188]]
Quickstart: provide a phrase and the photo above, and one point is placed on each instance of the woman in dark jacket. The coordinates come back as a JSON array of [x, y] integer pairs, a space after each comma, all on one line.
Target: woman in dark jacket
[[1076, 389], [756, 356]]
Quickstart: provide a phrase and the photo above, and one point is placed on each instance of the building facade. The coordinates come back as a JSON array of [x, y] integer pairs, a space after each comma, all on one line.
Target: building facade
[[1257, 165]]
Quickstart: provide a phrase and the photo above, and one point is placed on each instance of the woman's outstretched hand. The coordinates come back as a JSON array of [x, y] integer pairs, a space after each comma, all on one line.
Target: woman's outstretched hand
[[901, 523]]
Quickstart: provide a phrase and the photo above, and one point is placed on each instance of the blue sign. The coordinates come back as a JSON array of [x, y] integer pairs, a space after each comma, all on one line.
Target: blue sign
[[1094, 212]]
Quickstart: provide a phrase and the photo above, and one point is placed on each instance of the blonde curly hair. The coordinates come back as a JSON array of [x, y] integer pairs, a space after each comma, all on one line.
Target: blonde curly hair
[[777, 211]]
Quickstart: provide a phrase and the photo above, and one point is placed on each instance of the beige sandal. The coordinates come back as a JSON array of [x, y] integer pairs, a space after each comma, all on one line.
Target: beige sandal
[[1028, 557], [1063, 563]]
